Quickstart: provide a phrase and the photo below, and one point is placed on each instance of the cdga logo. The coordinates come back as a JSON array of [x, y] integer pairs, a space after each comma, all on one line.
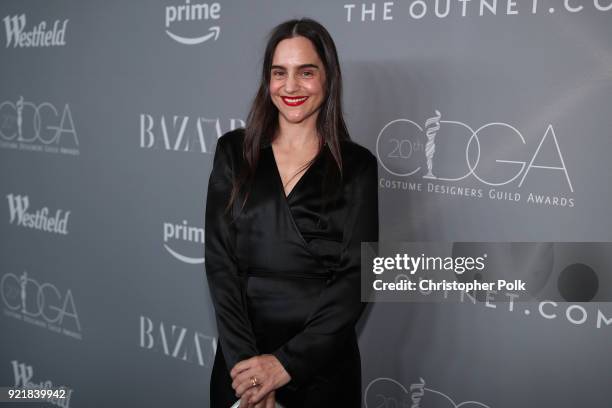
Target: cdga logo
[[41, 127], [39, 303], [384, 392], [495, 154]]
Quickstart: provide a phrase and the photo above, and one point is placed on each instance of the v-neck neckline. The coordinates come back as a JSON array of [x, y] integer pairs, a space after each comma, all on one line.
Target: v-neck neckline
[[287, 197]]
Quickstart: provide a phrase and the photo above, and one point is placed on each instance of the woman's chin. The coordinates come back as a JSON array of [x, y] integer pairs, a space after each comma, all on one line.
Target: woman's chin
[[295, 118]]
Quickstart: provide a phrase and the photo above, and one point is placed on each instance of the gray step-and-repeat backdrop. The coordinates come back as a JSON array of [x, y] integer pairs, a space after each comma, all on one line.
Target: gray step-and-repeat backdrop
[[109, 116]]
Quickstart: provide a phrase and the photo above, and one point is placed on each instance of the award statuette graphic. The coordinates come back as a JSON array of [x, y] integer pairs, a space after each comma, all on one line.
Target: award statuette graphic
[[19, 106], [392, 393], [432, 125], [23, 281]]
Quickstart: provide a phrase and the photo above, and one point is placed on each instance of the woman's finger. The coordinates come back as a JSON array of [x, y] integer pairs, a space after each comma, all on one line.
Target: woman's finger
[[247, 377], [265, 402], [246, 384], [242, 378], [244, 399], [241, 366], [261, 392], [271, 400], [262, 404]]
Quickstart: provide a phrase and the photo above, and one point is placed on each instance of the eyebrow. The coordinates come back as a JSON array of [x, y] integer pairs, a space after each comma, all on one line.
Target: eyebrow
[[299, 67]]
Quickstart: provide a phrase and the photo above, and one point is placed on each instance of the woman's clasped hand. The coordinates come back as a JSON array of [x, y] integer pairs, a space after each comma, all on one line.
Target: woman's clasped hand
[[255, 379]]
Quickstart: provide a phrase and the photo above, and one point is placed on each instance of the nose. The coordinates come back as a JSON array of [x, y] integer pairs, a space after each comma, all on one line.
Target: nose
[[291, 84]]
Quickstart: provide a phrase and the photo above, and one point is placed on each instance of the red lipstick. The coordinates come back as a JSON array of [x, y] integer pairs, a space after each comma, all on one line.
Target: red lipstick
[[294, 101]]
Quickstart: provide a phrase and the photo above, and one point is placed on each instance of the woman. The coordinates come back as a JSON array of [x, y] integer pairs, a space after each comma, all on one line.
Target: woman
[[290, 199]]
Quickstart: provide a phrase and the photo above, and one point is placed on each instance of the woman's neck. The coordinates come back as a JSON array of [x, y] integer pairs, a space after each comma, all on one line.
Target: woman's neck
[[291, 136]]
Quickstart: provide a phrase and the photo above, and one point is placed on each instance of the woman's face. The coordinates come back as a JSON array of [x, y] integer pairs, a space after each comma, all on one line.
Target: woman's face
[[297, 80]]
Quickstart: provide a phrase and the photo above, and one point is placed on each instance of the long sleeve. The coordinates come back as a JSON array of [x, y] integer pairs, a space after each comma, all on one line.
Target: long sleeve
[[227, 286], [339, 306]]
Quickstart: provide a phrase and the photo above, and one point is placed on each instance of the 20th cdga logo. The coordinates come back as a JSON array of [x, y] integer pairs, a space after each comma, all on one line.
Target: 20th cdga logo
[[496, 155]]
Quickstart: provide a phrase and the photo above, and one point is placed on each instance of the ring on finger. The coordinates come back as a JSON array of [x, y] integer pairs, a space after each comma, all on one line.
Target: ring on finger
[[254, 381]]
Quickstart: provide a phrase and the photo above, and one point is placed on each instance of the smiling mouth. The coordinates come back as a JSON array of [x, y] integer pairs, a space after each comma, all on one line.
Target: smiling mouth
[[296, 101]]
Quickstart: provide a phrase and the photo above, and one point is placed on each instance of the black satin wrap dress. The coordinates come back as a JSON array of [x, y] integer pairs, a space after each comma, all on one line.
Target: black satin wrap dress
[[284, 272]]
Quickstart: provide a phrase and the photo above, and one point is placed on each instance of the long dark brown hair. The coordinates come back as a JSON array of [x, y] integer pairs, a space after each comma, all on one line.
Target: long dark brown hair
[[262, 120]]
